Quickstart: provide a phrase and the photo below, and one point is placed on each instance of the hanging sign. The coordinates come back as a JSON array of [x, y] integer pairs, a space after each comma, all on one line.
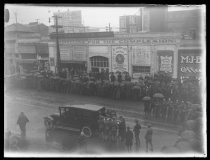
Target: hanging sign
[[119, 58], [166, 61]]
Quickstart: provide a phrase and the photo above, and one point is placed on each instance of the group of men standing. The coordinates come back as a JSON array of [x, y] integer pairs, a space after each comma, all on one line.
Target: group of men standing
[[114, 131], [169, 111]]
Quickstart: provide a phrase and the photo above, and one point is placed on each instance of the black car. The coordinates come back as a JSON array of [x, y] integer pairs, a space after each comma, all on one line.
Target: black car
[[77, 118]]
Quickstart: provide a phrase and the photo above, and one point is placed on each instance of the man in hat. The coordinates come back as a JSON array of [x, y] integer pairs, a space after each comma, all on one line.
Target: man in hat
[[148, 138], [136, 131], [129, 139], [122, 129], [22, 120]]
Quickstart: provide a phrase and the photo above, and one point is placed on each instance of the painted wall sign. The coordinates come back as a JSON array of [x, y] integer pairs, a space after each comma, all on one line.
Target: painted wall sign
[[166, 61], [119, 58], [141, 55], [99, 51], [121, 41], [189, 63]]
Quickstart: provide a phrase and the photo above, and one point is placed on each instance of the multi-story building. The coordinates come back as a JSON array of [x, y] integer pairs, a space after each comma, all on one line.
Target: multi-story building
[[71, 22], [23, 46], [130, 23], [136, 53], [187, 22]]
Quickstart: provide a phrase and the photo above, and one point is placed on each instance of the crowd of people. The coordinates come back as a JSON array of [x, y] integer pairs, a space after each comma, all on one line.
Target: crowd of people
[[173, 108], [118, 86], [116, 131]]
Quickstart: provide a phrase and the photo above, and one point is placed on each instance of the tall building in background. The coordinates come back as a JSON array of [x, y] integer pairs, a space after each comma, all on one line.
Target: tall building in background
[[70, 20], [130, 23], [187, 22], [158, 19]]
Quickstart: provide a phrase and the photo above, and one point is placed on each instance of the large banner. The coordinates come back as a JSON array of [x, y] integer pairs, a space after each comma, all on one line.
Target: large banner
[[99, 51], [141, 55], [189, 63], [166, 59], [119, 58]]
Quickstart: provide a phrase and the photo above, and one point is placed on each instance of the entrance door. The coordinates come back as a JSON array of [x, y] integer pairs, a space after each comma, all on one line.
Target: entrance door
[[99, 63]]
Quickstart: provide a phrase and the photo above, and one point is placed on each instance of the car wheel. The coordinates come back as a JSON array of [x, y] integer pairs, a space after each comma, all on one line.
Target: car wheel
[[87, 131]]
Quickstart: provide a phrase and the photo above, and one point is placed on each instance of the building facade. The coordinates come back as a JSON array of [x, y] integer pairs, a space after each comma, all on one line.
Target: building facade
[[23, 47], [138, 54], [130, 23]]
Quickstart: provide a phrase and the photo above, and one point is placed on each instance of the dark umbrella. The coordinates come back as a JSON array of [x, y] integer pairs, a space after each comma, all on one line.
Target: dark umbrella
[[147, 98], [158, 95]]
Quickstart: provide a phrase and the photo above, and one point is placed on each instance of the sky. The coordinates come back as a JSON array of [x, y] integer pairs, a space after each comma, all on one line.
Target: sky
[[91, 16]]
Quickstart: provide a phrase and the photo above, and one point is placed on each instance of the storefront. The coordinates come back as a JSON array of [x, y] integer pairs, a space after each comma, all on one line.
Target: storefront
[[138, 54], [98, 59]]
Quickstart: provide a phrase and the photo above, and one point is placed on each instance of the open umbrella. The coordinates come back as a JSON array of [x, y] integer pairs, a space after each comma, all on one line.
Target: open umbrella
[[190, 124], [146, 98], [184, 146], [136, 87], [188, 135], [158, 95]]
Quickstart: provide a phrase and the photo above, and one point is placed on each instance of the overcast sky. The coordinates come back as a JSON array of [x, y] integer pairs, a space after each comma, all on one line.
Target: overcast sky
[[91, 16]]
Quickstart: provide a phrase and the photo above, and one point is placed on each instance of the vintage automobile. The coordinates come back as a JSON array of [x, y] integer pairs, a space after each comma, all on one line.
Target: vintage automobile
[[78, 118]]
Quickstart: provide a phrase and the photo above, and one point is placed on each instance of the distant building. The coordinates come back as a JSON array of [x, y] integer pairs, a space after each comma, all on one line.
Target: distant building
[[23, 46], [158, 19], [187, 22], [71, 21], [130, 23]]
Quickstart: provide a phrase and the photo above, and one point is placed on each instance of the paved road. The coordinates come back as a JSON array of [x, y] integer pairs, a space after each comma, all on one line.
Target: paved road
[[39, 104]]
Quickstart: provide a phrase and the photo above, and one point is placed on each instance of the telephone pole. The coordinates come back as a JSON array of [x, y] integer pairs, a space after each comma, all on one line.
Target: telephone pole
[[57, 44]]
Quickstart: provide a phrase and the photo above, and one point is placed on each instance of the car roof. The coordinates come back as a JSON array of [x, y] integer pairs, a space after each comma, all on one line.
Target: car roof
[[91, 107]]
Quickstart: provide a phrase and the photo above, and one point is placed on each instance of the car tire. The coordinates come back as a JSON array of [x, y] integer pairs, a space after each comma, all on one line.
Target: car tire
[[87, 131]]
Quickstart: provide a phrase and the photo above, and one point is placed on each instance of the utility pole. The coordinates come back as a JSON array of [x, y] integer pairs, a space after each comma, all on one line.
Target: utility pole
[[37, 21], [109, 28], [57, 44]]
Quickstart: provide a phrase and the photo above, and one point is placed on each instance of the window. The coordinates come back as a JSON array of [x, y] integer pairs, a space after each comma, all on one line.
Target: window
[[99, 61], [141, 69]]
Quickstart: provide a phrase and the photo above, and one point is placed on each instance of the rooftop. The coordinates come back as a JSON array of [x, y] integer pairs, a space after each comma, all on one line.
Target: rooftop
[[87, 107]]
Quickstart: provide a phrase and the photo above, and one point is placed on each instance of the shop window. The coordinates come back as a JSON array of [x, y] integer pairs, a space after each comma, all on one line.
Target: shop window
[[141, 69], [99, 61]]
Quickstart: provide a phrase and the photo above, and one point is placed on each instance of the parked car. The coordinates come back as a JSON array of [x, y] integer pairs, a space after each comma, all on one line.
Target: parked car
[[77, 118]]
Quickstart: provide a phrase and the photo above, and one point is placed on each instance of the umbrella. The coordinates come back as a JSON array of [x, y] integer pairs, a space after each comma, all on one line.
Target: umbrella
[[190, 124], [184, 146], [188, 135], [146, 98], [158, 95], [136, 87]]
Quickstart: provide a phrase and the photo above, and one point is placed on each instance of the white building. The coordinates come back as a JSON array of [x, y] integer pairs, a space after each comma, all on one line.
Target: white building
[[71, 21]]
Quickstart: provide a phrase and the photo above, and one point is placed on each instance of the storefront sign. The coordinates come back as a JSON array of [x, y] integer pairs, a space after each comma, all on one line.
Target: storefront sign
[[141, 55], [79, 53], [121, 41], [166, 61], [189, 63], [98, 51], [119, 58]]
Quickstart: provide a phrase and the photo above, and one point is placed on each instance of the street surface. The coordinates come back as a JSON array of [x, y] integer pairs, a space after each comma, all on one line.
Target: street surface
[[36, 105]]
